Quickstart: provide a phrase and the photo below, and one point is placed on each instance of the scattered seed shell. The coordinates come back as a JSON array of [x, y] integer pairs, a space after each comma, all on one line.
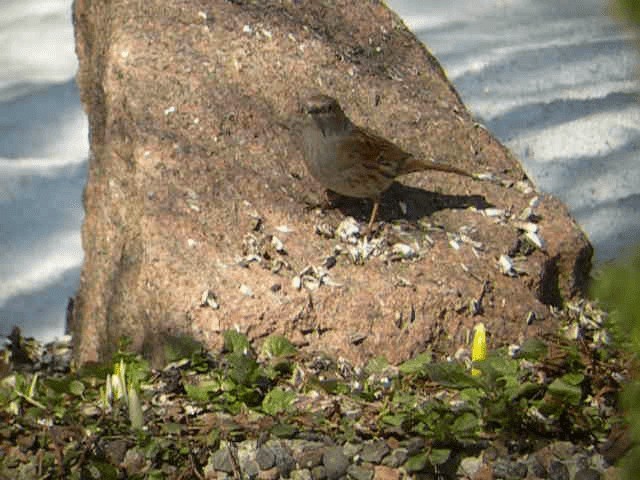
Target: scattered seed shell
[[208, 298], [526, 226], [246, 290], [356, 255], [535, 239], [475, 307], [531, 317], [526, 214], [513, 350], [328, 281], [403, 282], [284, 229], [277, 244], [470, 241], [506, 265], [484, 176], [348, 231], [428, 240], [403, 251], [601, 337], [325, 230], [310, 283], [308, 270], [524, 187], [572, 332], [329, 262], [493, 212], [462, 354]]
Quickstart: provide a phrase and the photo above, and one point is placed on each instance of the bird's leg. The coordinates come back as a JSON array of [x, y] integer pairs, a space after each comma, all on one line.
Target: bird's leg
[[374, 213]]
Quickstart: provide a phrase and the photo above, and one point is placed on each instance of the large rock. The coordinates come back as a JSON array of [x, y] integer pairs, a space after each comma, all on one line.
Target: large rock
[[196, 163]]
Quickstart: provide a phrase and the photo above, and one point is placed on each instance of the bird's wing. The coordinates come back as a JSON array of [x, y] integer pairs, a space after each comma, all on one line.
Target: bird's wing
[[373, 152]]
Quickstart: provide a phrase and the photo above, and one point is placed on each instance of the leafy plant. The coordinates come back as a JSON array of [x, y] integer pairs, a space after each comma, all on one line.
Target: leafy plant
[[204, 398], [617, 287], [628, 10]]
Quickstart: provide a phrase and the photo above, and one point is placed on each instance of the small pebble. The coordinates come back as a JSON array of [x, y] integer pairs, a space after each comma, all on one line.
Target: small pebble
[[265, 458], [537, 468], [587, 474], [386, 473], [358, 472], [335, 462], [374, 452], [221, 461], [318, 473], [396, 458], [303, 474], [310, 458], [558, 471], [414, 445]]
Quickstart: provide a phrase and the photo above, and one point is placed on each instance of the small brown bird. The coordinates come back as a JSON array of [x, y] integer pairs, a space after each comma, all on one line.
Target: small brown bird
[[352, 161]]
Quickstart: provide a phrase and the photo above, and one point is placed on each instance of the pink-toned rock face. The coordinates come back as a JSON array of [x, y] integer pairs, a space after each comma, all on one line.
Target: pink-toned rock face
[[197, 202]]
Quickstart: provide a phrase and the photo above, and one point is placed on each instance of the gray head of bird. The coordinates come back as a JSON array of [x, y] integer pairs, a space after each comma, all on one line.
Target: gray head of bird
[[325, 112]]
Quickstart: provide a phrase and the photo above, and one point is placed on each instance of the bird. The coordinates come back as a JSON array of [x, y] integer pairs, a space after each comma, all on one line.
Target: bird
[[351, 160]]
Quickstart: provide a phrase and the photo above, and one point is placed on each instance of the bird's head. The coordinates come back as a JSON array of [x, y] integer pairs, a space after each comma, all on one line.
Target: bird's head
[[326, 113]]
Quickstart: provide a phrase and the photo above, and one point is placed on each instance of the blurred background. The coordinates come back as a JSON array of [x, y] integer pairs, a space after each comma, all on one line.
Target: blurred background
[[555, 80]]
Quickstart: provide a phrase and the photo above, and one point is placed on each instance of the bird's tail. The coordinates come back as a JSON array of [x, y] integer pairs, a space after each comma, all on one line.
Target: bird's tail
[[418, 165]]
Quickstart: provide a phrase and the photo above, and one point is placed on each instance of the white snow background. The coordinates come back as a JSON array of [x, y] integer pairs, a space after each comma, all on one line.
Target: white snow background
[[555, 80]]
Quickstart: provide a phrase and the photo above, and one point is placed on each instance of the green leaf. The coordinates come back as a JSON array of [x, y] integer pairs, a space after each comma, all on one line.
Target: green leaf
[[629, 464], [416, 463], [95, 469], [573, 378], [473, 397], [278, 346], [416, 366], [244, 369], [277, 401], [58, 385], [465, 424], [178, 347], [236, 342], [376, 365], [395, 420], [566, 391], [333, 386], [533, 349], [526, 390], [76, 387], [202, 391], [628, 10], [498, 366], [438, 456], [452, 374], [172, 428]]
